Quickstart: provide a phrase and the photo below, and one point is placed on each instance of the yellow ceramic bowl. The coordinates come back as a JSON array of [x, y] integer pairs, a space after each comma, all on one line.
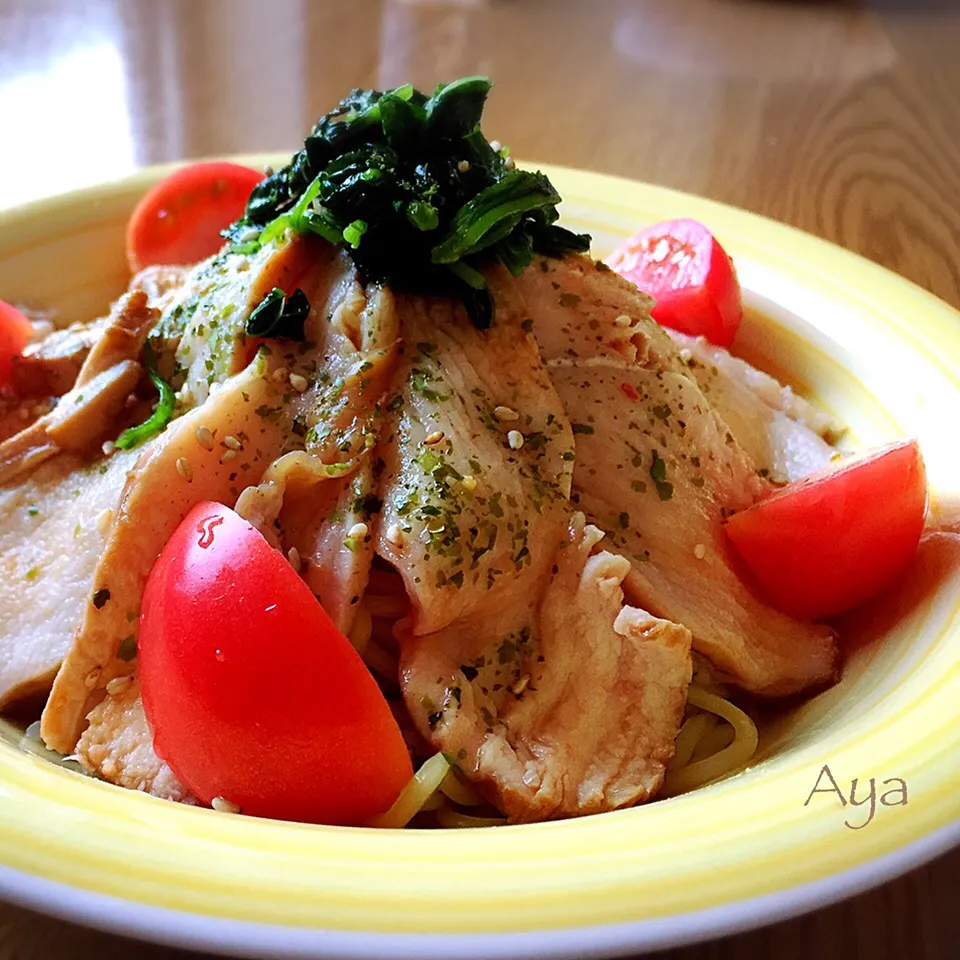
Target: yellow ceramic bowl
[[882, 354]]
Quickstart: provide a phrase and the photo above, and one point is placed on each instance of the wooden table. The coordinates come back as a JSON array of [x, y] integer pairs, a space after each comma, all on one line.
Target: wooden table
[[840, 118]]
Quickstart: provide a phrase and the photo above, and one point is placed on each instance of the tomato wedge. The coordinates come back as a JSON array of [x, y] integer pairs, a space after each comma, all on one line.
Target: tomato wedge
[[826, 544], [178, 221], [15, 333], [689, 274], [251, 692]]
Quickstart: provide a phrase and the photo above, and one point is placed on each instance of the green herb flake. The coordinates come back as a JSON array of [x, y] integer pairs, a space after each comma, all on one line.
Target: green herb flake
[[127, 650]]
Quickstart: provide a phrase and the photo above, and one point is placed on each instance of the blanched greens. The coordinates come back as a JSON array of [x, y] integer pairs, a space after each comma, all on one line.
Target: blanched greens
[[415, 191]]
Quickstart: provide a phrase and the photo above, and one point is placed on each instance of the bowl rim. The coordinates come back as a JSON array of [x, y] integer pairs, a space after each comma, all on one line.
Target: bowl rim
[[245, 939], [223, 934]]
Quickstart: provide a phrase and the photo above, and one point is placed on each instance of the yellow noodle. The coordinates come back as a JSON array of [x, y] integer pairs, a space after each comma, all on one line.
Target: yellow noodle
[[691, 733], [362, 629], [447, 817], [424, 784], [457, 791], [434, 802], [732, 758], [713, 741]]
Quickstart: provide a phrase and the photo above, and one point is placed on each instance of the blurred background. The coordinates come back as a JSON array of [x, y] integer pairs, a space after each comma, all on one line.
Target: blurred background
[[841, 118]]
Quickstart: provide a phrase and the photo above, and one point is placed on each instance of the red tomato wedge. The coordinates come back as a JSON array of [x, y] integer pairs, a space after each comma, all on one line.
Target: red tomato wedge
[[251, 692], [178, 221], [15, 333], [689, 274], [825, 544]]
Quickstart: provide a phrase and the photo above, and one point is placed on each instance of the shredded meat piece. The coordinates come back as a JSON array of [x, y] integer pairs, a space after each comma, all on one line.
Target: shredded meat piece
[[118, 746]]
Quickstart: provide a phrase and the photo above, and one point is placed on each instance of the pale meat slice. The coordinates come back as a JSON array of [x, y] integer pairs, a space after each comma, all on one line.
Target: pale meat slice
[[784, 434], [324, 498], [658, 469], [52, 532], [575, 713], [172, 475], [478, 459], [206, 331], [118, 747]]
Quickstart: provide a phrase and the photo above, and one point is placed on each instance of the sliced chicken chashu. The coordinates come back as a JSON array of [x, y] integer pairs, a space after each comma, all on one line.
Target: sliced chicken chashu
[[175, 472], [52, 531], [519, 659], [784, 434], [201, 337], [575, 713], [478, 460], [657, 468], [323, 496]]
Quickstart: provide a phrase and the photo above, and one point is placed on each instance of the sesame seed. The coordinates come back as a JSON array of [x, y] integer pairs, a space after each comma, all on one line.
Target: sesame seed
[[685, 354], [496, 146], [431, 438], [280, 374], [227, 455], [245, 236], [184, 469], [90, 681], [298, 382], [233, 443], [699, 551], [463, 166], [293, 555], [469, 483], [505, 414], [204, 437], [104, 519], [223, 805], [358, 531], [515, 439], [395, 535], [521, 685], [623, 321], [118, 685], [509, 164], [108, 448]]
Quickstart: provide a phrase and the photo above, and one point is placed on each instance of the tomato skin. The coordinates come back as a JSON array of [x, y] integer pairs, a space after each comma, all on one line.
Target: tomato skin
[[179, 219], [251, 692], [16, 332], [826, 544], [681, 264]]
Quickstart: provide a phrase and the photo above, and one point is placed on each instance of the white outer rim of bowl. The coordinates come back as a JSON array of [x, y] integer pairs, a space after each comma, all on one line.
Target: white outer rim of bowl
[[238, 938]]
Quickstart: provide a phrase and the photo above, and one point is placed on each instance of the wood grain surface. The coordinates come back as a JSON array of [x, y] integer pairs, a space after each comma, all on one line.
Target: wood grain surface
[[840, 118]]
